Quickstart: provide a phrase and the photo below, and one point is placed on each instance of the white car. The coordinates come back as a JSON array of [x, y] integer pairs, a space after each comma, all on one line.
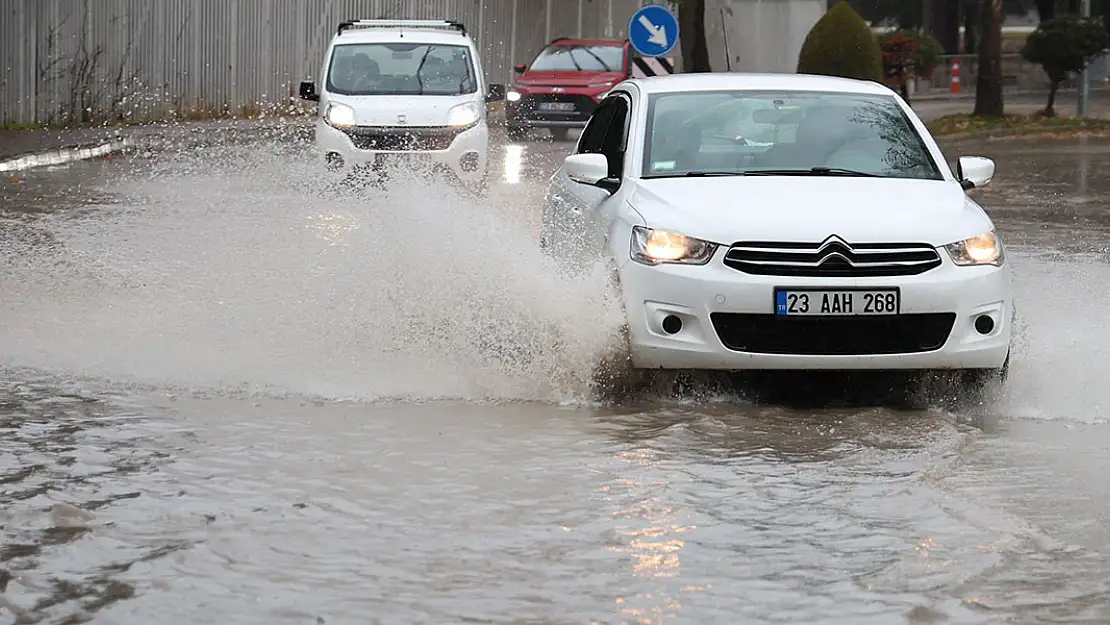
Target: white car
[[392, 90], [784, 221]]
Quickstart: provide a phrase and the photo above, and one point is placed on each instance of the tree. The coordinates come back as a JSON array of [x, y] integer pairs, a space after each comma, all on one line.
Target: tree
[[841, 44], [988, 88], [691, 26], [1064, 46]]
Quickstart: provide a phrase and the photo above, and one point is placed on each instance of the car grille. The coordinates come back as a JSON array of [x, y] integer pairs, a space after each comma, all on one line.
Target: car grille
[[528, 107], [403, 138], [828, 336], [832, 258]]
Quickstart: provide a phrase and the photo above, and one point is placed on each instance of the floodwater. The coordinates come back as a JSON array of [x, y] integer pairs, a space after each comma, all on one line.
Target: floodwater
[[232, 390]]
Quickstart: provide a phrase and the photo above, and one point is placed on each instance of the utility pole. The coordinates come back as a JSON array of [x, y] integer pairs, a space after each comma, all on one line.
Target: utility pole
[[1085, 77]]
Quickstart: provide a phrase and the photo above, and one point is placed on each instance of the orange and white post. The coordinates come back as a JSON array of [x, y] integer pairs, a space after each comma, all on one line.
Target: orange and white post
[[955, 82]]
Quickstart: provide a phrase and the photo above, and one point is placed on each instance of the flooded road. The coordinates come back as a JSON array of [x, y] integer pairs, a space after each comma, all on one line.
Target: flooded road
[[231, 388]]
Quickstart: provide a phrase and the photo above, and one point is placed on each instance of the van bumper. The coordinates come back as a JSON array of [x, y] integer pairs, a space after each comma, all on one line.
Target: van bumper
[[461, 152]]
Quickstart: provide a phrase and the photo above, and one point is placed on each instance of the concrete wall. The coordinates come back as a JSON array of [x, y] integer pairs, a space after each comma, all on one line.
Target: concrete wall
[[761, 35], [145, 59]]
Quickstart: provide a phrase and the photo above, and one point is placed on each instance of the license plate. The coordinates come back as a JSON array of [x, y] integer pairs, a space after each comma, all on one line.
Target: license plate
[[836, 302], [555, 106]]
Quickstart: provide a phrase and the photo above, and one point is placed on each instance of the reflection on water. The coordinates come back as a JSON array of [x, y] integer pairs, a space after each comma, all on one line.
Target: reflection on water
[[513, 160]]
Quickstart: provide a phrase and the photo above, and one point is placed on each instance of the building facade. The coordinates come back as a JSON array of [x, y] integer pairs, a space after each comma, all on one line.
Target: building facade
[[92, 59]]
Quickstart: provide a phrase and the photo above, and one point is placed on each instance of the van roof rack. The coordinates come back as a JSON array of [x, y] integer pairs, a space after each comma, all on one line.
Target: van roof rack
[[444, 24]]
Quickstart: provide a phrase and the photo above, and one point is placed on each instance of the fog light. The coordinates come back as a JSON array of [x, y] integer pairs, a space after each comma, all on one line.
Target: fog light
[[672, 324], [984, 324], [469, 161]]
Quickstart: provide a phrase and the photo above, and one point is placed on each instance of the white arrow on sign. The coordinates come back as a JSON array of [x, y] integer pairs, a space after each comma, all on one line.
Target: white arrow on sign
[[658, 33]]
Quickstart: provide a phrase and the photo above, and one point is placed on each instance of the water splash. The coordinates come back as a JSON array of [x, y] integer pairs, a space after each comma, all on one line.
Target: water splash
[[244, 269]]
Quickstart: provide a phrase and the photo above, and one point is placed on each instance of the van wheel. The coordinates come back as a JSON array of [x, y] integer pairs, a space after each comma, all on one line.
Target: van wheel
[[559, 134]]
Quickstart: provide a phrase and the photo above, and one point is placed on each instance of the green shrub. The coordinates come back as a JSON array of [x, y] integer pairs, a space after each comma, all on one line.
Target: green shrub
[[841, 44], [1063, 46]]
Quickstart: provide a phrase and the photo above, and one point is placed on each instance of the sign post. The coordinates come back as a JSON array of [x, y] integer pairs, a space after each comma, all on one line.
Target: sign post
[[653, 30]]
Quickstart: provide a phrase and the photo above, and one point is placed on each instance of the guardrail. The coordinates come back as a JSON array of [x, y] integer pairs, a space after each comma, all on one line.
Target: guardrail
[[1018, 75]]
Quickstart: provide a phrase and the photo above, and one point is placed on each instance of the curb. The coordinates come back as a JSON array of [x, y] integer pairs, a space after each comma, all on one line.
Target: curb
[[63, 156]]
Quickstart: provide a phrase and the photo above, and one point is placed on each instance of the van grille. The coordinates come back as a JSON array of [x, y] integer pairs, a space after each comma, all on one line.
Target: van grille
[[403, 138]]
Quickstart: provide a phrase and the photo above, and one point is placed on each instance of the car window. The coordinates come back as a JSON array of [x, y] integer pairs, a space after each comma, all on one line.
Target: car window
[[737, 131], [613, 145], [401, 69], [578, 58], [592, 140]]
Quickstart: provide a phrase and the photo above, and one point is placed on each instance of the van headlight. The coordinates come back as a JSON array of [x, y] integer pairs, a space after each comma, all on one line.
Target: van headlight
[[984, 249], [340, 115], [463, 115], [655, 247]]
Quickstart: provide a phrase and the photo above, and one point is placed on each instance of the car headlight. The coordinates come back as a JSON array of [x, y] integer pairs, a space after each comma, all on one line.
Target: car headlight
[[512, 96], [655, 247], [601, 85], [984, 249], [340, 115], [463, 115]]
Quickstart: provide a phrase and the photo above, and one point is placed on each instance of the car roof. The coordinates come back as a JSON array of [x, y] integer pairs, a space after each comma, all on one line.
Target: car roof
[[710, 81], [588, 42], [414, 34]]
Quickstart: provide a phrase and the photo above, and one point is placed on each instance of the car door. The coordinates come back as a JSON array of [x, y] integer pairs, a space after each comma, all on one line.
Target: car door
[[599, 214], [568, 203]]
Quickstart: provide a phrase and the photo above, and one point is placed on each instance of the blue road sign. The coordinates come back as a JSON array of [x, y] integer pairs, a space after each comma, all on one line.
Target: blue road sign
[[653, 30]]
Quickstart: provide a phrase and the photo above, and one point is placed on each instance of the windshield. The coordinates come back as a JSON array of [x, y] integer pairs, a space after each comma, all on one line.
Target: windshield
[[747, 131], [401, 69], [577, 58]]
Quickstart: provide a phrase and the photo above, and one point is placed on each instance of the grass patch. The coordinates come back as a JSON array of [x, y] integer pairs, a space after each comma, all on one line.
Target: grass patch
[[964, 125]]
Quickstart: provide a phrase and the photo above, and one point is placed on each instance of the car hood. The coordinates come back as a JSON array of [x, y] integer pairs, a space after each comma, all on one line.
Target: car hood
[[385, 110], [779, 208], [566, 79]]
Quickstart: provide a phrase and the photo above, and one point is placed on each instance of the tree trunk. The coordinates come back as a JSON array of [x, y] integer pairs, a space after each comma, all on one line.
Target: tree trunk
[[971, 26], [988, 88], [1050, 110], [1046, 9], [691, 25]]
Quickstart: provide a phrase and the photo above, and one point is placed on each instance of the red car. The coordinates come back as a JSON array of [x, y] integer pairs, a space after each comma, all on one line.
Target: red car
[[562, 86]]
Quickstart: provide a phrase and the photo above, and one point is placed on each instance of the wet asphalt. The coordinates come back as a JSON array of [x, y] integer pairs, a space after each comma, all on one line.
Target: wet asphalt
[[231, 390]]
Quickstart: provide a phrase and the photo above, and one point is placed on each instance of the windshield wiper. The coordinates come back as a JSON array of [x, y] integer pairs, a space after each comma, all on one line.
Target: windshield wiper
[[424, 58], [699, 174], [570, 53], [599, 61], [813, 171]]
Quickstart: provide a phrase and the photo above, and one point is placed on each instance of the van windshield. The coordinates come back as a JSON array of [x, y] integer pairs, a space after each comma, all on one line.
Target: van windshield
[[397, 68]]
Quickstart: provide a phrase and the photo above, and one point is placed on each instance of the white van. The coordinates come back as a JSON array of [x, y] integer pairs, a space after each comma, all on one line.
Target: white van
[[394, 89]]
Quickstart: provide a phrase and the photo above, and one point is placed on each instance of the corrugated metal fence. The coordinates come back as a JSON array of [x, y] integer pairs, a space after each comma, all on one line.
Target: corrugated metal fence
[[87, 60]]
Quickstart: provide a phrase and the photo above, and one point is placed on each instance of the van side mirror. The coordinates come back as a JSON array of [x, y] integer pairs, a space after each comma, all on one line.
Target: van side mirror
[[496, 93], [308, 91], [974, 171], [519, 68]]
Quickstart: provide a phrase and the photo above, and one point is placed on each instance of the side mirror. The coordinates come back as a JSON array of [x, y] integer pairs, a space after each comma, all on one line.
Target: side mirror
[[591, 169], [974, 171], [308, 91], [496, 93], [519, 68]]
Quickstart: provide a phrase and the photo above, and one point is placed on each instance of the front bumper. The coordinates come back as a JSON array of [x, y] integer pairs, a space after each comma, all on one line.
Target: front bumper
[[530, 112], [721, 306], [460, 153]]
